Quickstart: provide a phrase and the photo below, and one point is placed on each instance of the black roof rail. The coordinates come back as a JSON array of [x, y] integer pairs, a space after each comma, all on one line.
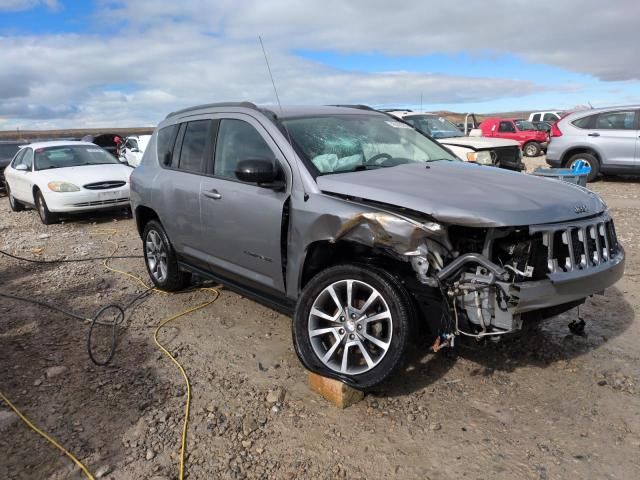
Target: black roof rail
[[211, 105], [387, 110], [359, 107]]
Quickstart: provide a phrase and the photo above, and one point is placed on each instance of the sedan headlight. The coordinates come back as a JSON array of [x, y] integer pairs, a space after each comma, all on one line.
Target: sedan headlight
[[481, 158], [62, 187]]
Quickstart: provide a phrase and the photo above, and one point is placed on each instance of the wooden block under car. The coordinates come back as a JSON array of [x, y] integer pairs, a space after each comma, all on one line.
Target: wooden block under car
[[338, 393]]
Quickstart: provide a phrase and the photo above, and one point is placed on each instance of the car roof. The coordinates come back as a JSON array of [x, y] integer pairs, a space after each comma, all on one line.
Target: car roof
[[591, 111], [58, 144]]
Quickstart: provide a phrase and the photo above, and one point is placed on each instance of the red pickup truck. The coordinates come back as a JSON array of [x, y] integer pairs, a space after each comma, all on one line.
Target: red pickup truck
[[533, 142]]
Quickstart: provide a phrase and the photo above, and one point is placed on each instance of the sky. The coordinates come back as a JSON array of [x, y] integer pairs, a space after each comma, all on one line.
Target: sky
[[112, 63]]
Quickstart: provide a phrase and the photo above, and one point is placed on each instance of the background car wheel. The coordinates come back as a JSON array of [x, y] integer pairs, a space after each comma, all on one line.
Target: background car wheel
[[532, 149], [45, 215], [15, 205], [590, 160], [160, 259], [353, 321]]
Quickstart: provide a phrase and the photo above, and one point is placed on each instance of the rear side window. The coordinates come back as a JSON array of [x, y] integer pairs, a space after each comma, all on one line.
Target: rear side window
[[616, 121], [194, 146], [584, 122], [166, 141], [550, 117], [237, 141]]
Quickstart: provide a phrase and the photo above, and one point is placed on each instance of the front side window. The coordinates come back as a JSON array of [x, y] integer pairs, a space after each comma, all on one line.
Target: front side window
[[194, 145], [349, 143], [506, 127], [437, 127], [71, 156], [237, 141], [616, 121]]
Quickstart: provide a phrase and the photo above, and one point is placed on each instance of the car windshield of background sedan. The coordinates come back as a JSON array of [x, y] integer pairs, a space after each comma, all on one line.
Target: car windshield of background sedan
[[71, 156], [437, 127], [349, 143]]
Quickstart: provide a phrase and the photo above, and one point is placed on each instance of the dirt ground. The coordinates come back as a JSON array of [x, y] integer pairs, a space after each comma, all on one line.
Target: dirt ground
[[542, 404]]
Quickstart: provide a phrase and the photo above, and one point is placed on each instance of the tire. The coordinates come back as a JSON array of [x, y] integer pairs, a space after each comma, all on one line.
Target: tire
[[325, 351], [160, 259], [46, 216], [590, 159], [532, 149], [15, 205]]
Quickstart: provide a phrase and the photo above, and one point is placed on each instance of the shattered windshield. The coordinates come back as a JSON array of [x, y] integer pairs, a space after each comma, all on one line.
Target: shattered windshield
[[349, 143], [437, 127]]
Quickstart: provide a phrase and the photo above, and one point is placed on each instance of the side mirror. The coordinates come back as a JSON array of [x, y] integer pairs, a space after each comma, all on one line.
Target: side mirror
[[22, 168], [262, 171]]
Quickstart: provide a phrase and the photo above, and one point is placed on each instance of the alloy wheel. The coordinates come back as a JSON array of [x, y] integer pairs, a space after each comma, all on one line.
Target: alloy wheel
[[156, 256], [350, 327]]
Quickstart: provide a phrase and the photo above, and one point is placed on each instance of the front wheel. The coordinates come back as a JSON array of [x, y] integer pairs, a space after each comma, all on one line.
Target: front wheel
[[160, 259], [353, 322], [46, 216], [532, 149]]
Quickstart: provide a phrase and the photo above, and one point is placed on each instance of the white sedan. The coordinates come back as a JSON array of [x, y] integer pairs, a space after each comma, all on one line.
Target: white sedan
[[66, 177]]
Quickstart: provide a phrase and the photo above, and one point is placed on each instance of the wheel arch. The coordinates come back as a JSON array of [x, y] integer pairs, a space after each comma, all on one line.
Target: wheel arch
[[579, 149], [144, 215]]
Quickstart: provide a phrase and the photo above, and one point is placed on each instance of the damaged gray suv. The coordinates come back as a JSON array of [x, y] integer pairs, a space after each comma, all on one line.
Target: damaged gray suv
[[363, 229]]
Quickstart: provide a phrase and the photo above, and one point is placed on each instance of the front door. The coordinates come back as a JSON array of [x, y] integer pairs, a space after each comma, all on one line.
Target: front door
[[242, 222]]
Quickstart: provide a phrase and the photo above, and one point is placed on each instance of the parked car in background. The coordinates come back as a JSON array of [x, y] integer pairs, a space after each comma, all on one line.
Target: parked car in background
[[549, 116], [486, 151], [542, 126], [8, 149], [532, 141], [66, 177], [607, 139], [113, 143], [363, 229], [134, 147]]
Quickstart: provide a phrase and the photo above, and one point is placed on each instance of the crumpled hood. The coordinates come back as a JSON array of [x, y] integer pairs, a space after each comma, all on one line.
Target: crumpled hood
[[478, 143], [461, 193]]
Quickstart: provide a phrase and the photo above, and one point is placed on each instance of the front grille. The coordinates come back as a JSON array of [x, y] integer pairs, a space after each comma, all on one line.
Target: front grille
[[507, 155], [580, 245], [105, 185], [102, 202]]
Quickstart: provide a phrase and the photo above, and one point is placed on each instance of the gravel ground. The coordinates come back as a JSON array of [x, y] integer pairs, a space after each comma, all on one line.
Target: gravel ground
[[540, 404]]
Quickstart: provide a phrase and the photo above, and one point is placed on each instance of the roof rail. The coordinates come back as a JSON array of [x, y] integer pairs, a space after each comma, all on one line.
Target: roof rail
[[211, 105], [387, 110], [359, 107]]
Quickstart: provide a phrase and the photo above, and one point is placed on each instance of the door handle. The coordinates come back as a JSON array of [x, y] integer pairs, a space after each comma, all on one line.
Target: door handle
[[594, 134], [212, 194]]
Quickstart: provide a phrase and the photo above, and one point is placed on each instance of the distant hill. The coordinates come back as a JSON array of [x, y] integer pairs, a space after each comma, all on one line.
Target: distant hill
[[76, 133]]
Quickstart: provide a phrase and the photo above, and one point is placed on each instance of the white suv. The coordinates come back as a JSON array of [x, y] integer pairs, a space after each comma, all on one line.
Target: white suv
[[486, 151]]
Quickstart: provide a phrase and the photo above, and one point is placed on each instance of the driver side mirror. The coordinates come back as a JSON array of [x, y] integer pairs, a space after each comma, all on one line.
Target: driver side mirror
[[262, 171], [22, 168]]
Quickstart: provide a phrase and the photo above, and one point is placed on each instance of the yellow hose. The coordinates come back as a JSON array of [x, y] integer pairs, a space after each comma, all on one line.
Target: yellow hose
[[183, 442]]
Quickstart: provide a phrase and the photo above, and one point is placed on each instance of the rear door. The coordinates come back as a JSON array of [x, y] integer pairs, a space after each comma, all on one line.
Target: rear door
[[178, 184], [242, 223], [615, 135]]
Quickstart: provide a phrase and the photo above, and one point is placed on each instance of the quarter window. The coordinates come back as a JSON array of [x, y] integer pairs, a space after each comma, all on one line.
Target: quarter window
[[237, 141], [194, 146], [18, 160], [616, 121], [584, 122], [166, 141]]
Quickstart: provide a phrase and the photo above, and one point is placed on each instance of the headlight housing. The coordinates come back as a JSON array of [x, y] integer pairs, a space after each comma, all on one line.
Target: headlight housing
[[63, 187], [481, 158]]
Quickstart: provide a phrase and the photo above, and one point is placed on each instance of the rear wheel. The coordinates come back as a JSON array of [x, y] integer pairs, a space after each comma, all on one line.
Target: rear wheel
[[46, 216], [160, 259], [588, 159], [532, 149], [15, 205], [353, 321]]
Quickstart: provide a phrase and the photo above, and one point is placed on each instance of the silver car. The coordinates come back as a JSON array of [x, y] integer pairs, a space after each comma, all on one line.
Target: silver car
[[607, 139], [363, 229]]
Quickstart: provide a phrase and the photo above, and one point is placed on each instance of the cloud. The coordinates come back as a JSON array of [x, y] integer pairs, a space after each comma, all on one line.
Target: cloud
[[20, 5], [161, 56]]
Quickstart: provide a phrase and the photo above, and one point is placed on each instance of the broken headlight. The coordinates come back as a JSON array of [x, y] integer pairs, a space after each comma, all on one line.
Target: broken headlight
[[481, 158]]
